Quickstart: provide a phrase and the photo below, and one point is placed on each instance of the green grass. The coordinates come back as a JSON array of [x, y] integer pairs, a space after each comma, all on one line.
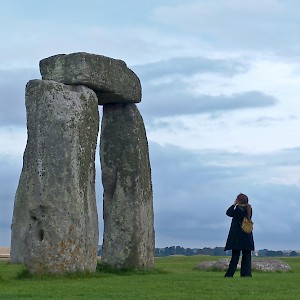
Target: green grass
[[173, 278]]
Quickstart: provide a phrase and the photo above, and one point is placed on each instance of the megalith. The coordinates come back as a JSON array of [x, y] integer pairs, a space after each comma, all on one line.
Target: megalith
[[111, 79], [55, 222], [128, 239]]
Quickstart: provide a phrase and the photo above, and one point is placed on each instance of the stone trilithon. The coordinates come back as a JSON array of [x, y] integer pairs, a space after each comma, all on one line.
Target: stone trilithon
[[55, 223]]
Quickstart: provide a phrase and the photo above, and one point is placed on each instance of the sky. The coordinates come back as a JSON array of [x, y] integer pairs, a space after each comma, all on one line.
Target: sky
[[221, 89]]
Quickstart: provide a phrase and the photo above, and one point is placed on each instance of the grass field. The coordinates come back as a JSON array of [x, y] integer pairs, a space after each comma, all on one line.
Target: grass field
[[173, 278]]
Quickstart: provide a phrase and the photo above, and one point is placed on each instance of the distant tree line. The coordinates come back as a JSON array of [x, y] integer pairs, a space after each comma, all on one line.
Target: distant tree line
[[270, 253], [217, 251]]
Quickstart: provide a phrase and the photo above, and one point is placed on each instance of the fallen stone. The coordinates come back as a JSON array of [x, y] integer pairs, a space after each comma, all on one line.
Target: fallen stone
[[128, 240], [55, 222], [206, 265], [263, 264], [223, 263], [270, 265], [110, 78]]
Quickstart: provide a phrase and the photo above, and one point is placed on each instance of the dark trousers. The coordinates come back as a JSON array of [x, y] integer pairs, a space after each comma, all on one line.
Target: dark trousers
[[245, 264]]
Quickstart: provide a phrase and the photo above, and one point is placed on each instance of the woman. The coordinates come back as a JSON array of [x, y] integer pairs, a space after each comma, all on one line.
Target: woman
[[238, 240]]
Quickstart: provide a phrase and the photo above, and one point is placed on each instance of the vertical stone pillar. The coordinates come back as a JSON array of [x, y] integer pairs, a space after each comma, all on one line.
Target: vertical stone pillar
[[55, 223], [128, 240]]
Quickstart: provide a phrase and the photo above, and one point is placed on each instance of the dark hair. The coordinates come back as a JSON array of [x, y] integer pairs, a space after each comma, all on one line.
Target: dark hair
[[243, 200]]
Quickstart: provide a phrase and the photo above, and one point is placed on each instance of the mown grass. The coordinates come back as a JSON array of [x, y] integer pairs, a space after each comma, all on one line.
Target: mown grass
[[173, 278]]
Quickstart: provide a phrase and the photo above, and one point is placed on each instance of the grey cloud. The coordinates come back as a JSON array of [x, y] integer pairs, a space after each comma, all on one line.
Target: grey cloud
[[250, 99], [192, 190], [257, 25], [189, 66], [283, 158], [12, 95], [175, 96], [280, 203], [268, 121], [9, 177], [172, 100]]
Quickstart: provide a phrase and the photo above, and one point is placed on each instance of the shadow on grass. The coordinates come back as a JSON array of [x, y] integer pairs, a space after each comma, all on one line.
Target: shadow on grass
[[106, 269], [101, 271]]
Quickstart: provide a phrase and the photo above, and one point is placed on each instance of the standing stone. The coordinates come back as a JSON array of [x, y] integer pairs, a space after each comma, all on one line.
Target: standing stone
[[110, 78], [128, 240], [55, 222]]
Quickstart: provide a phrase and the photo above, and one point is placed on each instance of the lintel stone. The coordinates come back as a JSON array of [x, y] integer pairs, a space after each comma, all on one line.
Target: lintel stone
[[111, 79]]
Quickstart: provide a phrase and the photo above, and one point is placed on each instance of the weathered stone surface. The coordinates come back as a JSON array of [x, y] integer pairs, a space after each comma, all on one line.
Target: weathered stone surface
[[110, 78], [263, 264], [206, 265], [128, 240], [55, 222], [270, 265]]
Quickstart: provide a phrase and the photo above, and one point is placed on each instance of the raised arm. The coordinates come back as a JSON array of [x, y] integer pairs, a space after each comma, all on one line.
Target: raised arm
[[230, 211]]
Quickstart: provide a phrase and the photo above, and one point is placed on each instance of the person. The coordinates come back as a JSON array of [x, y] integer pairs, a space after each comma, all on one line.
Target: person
[[237, 239]]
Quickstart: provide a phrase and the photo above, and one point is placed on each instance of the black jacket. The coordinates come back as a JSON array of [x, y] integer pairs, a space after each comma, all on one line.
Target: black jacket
[[237, 238]]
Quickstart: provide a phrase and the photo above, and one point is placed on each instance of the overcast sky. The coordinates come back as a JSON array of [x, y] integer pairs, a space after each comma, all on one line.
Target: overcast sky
[[221, 89]]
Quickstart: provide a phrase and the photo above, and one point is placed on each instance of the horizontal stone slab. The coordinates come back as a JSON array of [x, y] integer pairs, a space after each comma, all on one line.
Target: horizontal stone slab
[[111, 79]]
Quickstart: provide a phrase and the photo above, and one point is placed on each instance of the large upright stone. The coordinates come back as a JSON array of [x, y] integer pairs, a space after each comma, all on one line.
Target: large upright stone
[[55, 222], [128, 240], [110, 78]]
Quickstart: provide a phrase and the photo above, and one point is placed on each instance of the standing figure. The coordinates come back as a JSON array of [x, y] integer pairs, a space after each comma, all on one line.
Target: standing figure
[[238, 240]]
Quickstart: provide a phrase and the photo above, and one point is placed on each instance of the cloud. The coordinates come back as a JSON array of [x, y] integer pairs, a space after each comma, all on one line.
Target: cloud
[[174, 100], [9, 177], [189, 66], [210, 81], [12, 93], [130, 36], [267, 25], [173, 87], [267, 121], [192, 191]]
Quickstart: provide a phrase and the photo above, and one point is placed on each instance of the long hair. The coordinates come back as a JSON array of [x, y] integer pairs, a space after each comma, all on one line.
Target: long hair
[[243, 201]]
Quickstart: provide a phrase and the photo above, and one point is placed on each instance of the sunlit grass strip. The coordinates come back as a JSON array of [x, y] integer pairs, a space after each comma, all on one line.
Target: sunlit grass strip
[[172, 278]]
